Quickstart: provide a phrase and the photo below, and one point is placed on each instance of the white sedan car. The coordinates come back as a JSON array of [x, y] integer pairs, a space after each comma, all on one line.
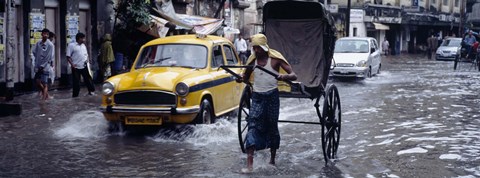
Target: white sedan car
[[356, 57]]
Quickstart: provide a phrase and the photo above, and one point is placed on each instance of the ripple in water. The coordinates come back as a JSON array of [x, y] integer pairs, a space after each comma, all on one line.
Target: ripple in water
[[84, 124]]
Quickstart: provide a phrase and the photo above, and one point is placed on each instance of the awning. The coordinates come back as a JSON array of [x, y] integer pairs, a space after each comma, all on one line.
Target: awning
[[379, 26], [203, 25], [156, 27]]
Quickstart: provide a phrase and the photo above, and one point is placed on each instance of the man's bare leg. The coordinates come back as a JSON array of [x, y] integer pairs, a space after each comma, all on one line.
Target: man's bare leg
[[273, 152], [45, 92], [250, 152], [41, 88]]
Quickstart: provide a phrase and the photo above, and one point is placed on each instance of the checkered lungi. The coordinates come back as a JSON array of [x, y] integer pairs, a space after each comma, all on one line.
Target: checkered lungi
[[263, 121]]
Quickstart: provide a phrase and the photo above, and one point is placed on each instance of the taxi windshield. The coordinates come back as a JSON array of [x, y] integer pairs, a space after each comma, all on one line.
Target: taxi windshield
[[173, 55], [351, 46]]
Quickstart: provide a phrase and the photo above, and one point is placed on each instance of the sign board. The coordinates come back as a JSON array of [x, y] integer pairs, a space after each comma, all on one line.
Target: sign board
[[356, 15], [394, 20], [332, 8]]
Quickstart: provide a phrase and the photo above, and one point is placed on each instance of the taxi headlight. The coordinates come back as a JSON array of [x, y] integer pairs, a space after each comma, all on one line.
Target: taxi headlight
[[362, 63], [181, 89], [107, 89]]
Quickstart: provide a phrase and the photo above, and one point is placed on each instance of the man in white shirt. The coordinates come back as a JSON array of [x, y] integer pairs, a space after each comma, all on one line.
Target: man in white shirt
[[241, 46], [77, 56]]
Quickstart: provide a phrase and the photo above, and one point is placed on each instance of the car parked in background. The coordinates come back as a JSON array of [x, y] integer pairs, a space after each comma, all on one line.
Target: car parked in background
[[356, 57], [449, 49], [175, 79]]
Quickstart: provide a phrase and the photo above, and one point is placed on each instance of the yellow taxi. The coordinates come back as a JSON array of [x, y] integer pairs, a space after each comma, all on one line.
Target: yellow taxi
[[175, 79]]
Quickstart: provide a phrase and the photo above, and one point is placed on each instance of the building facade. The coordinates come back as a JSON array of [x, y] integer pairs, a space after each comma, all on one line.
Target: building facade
[[406, 24], [21, 22]]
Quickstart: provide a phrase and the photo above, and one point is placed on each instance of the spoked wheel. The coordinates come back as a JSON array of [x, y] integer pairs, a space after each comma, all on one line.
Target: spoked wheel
[[331, 123], [243, 113]]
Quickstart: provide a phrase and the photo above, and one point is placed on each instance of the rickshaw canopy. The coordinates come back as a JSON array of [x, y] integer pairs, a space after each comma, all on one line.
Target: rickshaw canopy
[[305, 34]]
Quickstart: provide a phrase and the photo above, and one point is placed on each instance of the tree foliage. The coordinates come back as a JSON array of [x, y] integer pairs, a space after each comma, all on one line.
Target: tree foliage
[[133, 13]]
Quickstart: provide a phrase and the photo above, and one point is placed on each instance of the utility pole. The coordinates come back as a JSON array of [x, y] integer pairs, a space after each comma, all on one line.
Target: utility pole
[[347, 25], [10, 46], [462, 11]]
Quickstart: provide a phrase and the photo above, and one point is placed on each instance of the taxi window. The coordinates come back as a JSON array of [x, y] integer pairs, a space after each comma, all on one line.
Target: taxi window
[[230, 55], [217, 57], [173, 55]]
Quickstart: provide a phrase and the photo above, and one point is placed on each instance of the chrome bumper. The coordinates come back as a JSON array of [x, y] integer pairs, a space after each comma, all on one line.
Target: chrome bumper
[[349, 71], [132, 109]]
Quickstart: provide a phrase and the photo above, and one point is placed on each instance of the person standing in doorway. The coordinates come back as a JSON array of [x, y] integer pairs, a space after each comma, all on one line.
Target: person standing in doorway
[[77, 56], [241, 46], [43, 53], [264, 112], [432, 44], [106, 57], [385, 46]]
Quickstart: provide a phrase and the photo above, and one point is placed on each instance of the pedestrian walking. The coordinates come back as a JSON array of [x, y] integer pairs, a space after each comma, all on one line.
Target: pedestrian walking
[[241, 46], [43, 53], [106, 57], [77, 56], [264, 112]]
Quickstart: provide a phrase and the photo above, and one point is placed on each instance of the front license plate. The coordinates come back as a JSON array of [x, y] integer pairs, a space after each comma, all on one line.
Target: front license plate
[[143, 120], [343, 72]]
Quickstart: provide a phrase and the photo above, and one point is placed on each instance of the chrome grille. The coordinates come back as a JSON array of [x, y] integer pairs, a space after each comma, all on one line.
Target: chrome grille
[[146, 98], [345, 65]]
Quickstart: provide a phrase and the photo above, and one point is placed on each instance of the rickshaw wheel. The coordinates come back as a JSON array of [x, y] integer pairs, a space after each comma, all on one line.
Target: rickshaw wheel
[[243, 112], [331, 123]]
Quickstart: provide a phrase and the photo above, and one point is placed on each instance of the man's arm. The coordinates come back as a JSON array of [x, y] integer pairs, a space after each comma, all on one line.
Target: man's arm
[[69, 54], [290, 74]]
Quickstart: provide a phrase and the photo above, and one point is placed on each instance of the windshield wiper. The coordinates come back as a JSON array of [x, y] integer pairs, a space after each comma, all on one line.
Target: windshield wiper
[[156, 61]]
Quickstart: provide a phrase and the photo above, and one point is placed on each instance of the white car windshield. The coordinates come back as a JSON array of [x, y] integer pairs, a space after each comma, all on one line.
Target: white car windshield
[[451, 42], [351, 46], [173, 55]]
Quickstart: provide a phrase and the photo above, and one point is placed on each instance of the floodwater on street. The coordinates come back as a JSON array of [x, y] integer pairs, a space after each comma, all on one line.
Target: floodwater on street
[[417, 118]]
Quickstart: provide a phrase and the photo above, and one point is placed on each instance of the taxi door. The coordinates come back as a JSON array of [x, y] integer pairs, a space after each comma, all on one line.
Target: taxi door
[[234, 60], [221, 81]]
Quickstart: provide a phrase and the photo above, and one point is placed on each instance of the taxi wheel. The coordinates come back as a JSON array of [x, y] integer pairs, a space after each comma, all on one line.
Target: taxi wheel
[[205, 116], [369, 72]]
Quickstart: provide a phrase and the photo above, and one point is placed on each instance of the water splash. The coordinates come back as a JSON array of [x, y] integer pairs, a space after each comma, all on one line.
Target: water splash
[[84, 124], [223, 131]]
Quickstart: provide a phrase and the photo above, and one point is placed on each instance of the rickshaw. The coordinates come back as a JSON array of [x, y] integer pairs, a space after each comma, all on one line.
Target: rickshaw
[[474, 56], [304, 33]]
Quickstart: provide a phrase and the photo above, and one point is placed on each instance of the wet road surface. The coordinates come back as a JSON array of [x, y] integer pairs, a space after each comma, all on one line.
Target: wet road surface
[[417, 118]]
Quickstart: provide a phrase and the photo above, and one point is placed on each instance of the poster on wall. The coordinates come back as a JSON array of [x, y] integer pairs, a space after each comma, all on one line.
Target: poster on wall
[[2, 50], [72, 28], [37, 24]]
